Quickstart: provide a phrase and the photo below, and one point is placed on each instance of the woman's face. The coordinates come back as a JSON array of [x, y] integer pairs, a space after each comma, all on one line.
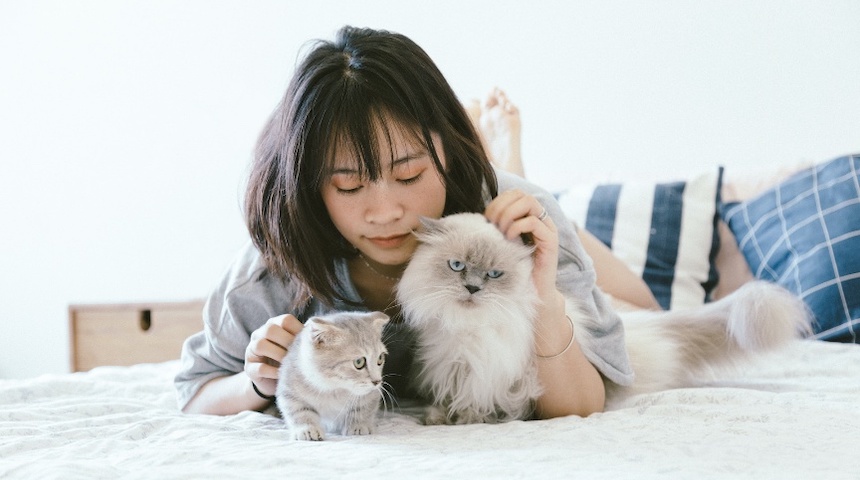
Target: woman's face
[[378, 217]]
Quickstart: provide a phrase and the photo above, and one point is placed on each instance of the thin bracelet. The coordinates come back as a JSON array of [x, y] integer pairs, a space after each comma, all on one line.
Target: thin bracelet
[[572, 336], [261, 394]]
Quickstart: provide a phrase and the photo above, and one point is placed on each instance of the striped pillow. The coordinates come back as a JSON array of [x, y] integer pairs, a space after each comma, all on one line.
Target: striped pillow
[[804, 234], [665, 232]]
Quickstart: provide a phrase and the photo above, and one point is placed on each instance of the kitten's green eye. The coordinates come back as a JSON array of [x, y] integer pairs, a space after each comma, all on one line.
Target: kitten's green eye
[[381, 359], [359, 363], [495, 273], [456, 265]]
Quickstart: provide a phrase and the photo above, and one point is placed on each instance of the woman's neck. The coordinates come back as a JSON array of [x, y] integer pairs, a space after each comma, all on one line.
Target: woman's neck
[[374, 285], [389, 272]]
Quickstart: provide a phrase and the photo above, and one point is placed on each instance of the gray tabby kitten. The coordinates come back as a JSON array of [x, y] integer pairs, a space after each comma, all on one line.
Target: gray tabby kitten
[[331, 378], [468, 295]]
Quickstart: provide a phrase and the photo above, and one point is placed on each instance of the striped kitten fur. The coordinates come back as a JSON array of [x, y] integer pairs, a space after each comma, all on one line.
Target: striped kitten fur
[[331, 378]]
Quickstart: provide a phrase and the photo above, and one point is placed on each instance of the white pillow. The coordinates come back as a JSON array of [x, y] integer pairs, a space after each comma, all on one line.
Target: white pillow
[[665, 232]]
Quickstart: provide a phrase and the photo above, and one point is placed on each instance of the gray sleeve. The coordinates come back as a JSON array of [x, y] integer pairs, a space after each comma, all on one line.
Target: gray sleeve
[[245, 299], [602, 342]]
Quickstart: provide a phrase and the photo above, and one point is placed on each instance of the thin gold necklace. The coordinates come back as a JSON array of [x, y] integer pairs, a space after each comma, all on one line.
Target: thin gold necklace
[[393, 279]]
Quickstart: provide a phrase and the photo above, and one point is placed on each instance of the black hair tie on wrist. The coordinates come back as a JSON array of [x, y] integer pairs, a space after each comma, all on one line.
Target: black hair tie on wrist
[[261, 394]]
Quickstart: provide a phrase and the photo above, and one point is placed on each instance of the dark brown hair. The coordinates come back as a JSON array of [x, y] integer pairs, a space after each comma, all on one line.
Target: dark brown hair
[[339, 94]]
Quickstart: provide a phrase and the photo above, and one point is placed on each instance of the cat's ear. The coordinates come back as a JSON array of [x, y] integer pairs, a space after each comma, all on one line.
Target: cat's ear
[[379, 319], [323, 331], [429, 226]]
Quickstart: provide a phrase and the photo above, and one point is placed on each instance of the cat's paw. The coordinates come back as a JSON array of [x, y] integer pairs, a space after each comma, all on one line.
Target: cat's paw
[[467, 417], [436, 415], [309, 432], [359, 429]]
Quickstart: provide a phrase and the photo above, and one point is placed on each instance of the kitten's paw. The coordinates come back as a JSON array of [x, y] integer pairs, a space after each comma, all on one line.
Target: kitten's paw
[[360, 429], [311, 433]]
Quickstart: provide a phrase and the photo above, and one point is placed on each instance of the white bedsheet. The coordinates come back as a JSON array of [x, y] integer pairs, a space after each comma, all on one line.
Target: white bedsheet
[[791, 415]]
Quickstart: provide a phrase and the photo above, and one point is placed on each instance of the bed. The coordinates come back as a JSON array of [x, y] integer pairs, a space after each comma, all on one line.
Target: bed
[[792, 414], [788, 414]]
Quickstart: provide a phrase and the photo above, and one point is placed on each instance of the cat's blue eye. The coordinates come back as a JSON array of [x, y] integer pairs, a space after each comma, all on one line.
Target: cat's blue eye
[[359, 363], [495, 273], [381, 359], [456, 265]]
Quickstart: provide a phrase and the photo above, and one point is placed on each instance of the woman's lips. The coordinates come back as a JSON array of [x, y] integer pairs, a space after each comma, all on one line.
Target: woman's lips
[[389, 242]]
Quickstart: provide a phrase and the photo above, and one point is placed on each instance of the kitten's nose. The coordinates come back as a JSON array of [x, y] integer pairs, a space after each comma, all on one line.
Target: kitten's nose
[[472, 288]]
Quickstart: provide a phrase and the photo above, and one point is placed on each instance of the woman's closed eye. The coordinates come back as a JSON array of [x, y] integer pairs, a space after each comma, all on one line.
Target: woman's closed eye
[[348, 191], [410, 180], [346, 184], [353, 190]]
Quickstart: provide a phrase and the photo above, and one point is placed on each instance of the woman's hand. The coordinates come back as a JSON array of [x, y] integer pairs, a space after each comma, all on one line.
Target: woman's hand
[[571, 383], [267, 349], [516, 213]]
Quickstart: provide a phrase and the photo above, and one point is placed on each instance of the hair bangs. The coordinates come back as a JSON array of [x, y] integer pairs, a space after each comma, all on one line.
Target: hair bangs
[[351, 102], [362, 134]]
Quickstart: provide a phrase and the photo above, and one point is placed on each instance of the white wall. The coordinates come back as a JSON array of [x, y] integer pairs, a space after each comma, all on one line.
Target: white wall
[[126, 127]]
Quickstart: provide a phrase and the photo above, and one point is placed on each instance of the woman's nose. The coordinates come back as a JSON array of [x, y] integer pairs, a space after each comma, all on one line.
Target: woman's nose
[[383, 205]]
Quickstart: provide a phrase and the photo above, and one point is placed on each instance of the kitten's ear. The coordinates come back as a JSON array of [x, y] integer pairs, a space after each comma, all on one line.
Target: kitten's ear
[[379, 319], [323, 331]]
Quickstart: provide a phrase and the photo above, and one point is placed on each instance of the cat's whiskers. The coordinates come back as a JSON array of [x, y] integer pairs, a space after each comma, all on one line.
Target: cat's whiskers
[[326, 393], [434, 293], [387, 396], [343, 418], [473, 350]]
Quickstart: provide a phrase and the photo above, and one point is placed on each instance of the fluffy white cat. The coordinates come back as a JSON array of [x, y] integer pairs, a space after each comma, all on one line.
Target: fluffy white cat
[[468, 295]]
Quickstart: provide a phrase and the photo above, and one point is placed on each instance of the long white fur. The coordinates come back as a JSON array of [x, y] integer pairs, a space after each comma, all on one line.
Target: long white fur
[[682, 348], [478, 362]]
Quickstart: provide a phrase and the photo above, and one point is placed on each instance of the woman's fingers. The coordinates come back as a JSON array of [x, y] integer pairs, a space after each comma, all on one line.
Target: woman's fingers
[[269, 344], [515, 213], [261, 369]]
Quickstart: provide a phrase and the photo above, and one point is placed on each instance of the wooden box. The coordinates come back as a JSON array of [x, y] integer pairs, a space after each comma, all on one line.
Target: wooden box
[[126, 334]]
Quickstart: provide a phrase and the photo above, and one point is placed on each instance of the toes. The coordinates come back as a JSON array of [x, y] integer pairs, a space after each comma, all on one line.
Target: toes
[[505, 102], [308, 434], [473, 109], [492, 98], [498, 98]]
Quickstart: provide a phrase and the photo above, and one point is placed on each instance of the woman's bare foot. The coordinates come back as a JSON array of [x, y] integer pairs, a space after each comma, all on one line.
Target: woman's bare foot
[[498, 122]]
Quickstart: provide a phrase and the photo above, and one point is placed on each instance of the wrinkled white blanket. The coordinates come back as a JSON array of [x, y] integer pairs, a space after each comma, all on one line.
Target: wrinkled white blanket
[[793, 414]]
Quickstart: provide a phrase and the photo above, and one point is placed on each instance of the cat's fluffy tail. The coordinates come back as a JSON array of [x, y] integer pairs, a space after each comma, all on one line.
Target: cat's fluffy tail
[[680, 348]]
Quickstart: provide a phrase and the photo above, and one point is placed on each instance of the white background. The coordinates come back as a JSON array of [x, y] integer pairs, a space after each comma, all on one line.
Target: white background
[[126, 128]]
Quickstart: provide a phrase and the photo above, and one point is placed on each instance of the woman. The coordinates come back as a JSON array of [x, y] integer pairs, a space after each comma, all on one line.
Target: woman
[[369, 137]]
